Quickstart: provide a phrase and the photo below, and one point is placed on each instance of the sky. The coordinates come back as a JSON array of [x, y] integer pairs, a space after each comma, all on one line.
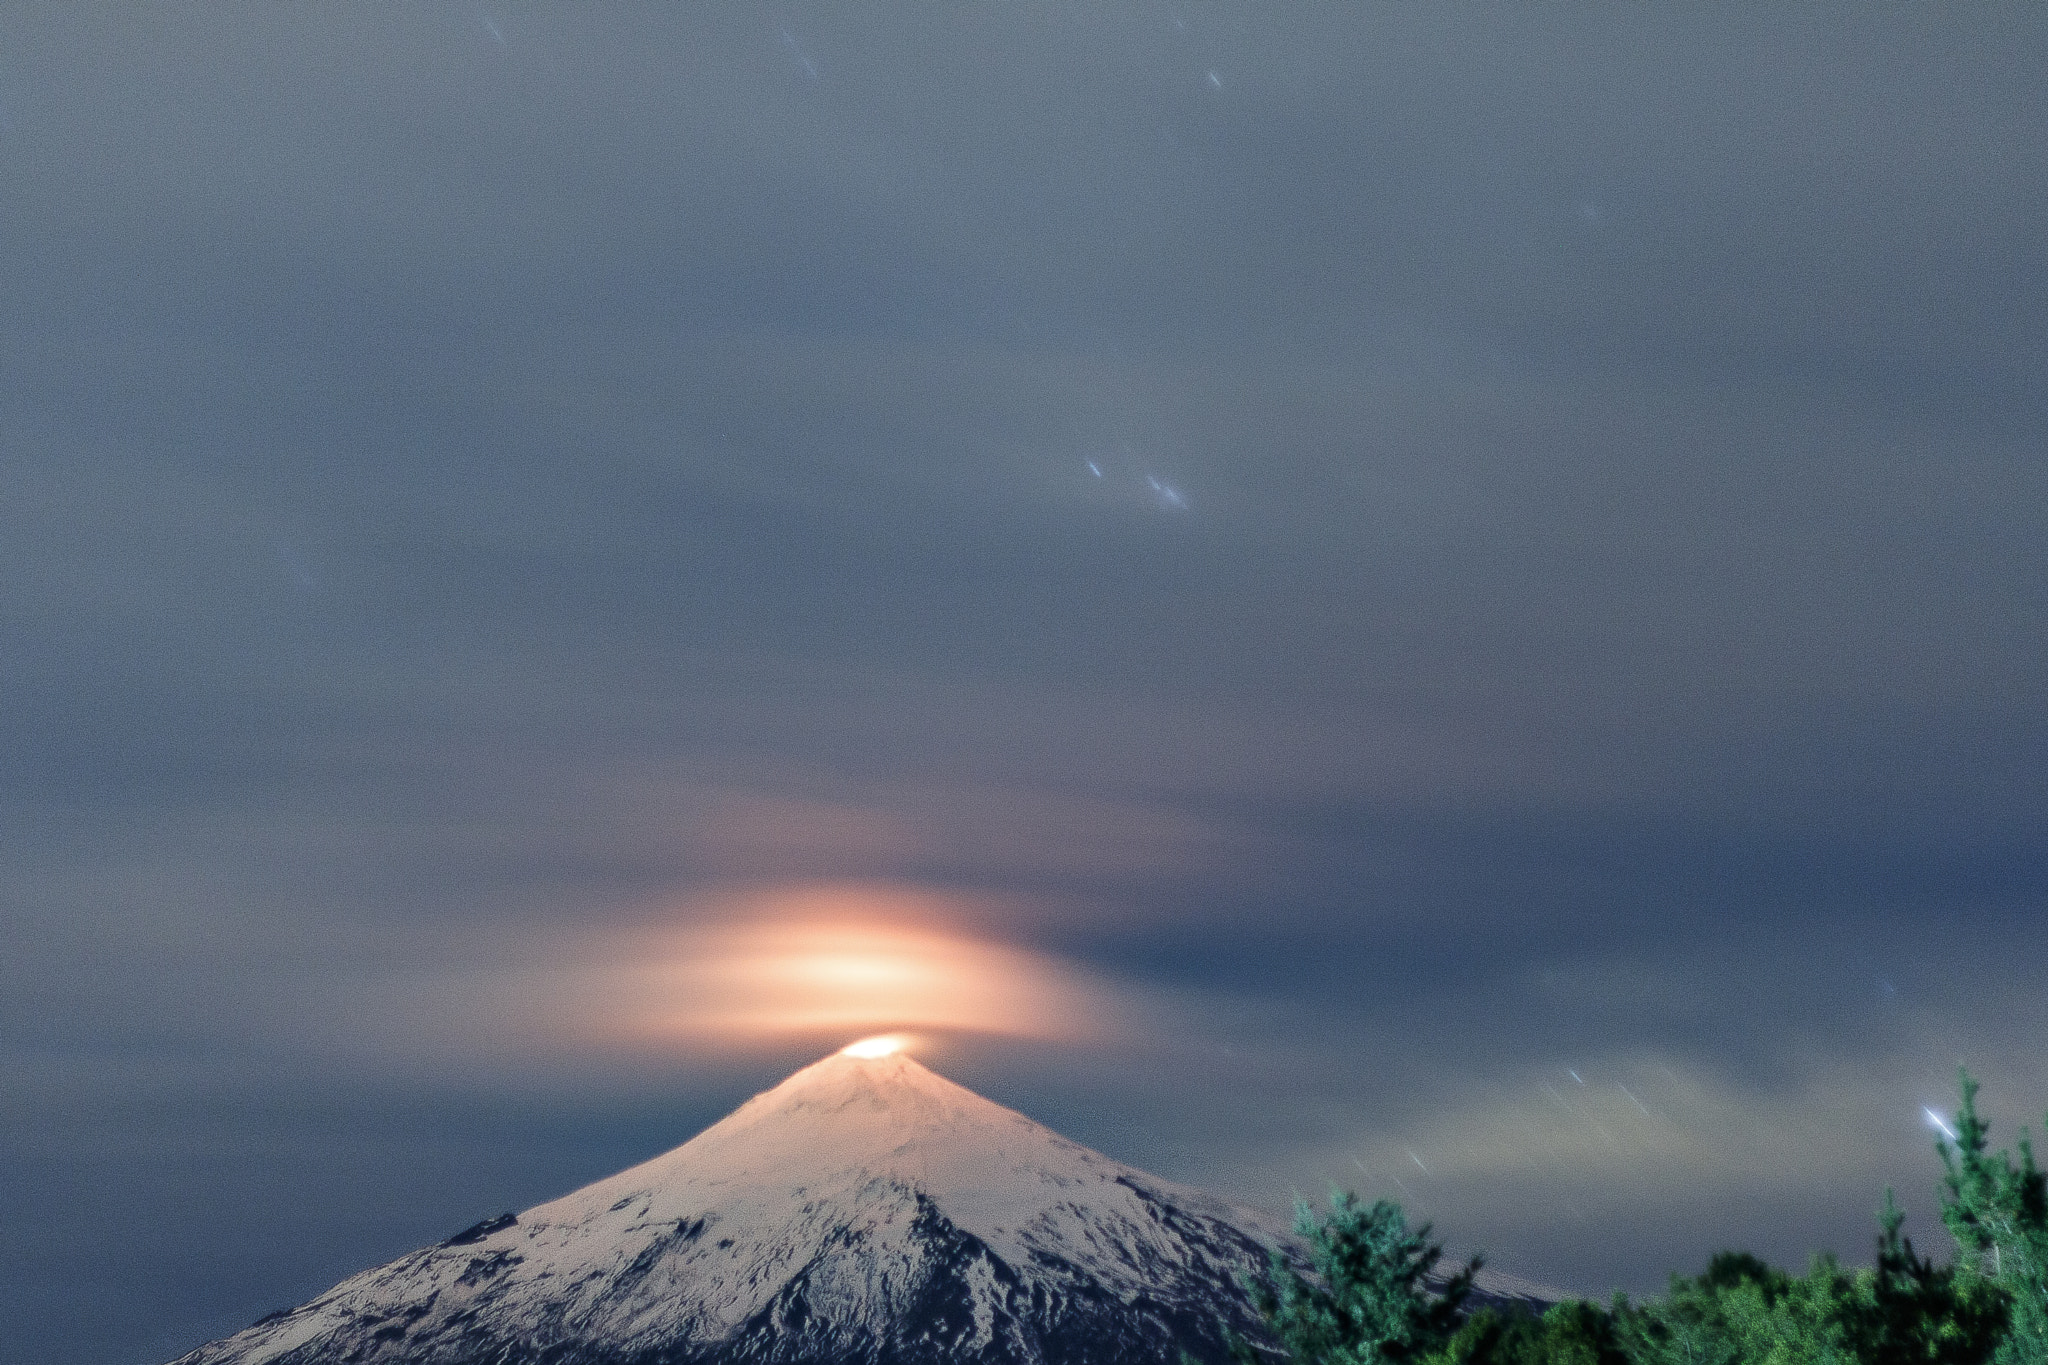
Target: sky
[[1446, 600]]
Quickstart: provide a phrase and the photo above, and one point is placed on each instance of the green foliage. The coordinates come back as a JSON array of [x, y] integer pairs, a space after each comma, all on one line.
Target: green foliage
[[1576, 1333], [1366, 1300], [1743, 1312], [1923, 1312], [1903, 1311], [1997, 1210]]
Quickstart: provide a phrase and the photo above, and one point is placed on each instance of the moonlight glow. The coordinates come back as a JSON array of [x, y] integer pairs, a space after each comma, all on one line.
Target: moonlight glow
[[844, 960], [876, 1047]]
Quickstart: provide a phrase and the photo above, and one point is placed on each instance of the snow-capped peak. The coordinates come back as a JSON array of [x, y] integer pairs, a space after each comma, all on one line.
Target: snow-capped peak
[[844, 1123], [865, 1209]]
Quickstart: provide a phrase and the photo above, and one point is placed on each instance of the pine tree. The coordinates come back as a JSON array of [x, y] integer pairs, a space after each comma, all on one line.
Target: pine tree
[[1921, 1312], [1366, 1300], [1997, 1210]]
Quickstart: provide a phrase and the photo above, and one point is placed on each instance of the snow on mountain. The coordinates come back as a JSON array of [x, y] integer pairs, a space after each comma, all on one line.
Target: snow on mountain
[[863, 1212]]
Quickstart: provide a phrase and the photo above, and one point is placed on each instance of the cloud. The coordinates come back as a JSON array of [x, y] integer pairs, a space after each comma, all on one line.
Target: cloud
[[496, 531], [714, 974], [845, 958]]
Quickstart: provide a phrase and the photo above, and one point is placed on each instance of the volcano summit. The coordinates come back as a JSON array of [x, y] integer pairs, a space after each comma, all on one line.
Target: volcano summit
[[863, 1212]]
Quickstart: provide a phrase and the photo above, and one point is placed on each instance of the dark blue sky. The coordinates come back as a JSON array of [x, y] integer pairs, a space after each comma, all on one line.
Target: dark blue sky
[[1465, 586]]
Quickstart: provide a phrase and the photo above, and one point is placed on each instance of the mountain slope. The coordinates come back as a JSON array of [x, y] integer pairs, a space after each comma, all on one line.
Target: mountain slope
[[864, 1212]]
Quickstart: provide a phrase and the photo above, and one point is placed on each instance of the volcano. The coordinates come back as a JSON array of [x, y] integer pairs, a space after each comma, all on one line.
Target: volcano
[[864, 1212]]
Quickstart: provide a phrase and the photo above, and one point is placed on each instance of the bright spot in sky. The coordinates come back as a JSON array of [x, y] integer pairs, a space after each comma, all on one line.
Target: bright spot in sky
[[844, 959], [1940, 1124], [876, 1047], [1167, 494], [796, 50]]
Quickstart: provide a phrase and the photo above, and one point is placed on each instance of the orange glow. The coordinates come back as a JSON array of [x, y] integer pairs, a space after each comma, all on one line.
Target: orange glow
[[836, 970], [841, 959], [877, 1047]]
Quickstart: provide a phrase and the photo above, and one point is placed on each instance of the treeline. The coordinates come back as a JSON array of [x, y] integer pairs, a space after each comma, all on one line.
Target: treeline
[[1367, 1300]]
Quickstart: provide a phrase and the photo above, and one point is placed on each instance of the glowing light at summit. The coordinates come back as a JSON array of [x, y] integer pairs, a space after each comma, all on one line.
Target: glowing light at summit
[[847, 960], [882, 1046]]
